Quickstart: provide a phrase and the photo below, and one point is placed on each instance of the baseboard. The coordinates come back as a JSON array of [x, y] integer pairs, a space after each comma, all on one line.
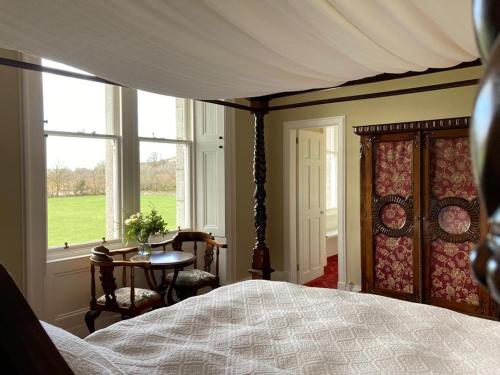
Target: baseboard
[[355, 288], [350, 287], [341, 285], [74, 321]]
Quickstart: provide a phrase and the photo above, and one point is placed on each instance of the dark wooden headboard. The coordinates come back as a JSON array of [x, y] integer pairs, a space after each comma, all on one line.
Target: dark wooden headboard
[[25, 347]]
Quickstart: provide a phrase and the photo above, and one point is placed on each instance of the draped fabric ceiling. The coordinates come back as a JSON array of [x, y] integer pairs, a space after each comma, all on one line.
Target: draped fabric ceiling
[[215, 49]]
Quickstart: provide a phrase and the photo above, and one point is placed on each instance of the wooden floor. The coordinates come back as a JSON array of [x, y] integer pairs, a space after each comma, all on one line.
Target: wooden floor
[[330, 277]]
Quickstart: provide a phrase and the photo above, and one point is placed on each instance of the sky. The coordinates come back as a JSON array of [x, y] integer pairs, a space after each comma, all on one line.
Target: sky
[[76, 105]]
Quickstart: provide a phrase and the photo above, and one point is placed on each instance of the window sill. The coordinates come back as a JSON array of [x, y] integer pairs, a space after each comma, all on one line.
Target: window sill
[[61, 254], [81, 251]]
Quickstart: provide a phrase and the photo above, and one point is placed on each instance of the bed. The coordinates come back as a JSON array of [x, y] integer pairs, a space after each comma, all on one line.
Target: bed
[[268, 327], [276, 327]]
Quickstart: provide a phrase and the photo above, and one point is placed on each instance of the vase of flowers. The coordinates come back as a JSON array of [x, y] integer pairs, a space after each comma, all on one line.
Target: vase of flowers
[[141, 227]]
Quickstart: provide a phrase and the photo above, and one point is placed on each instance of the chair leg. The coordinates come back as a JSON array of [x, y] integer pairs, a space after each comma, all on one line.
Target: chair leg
[[90, 318], [184, 293]]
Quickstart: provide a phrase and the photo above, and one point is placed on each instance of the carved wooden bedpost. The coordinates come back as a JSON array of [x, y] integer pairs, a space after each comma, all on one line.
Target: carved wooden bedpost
[[485, 142], [261, 263]]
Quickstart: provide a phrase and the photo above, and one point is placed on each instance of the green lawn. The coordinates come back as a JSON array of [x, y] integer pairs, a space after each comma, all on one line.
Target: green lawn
[[82, 219]]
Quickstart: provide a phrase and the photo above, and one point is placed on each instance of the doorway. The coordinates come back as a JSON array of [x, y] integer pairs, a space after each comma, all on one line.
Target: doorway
[[314, 205]]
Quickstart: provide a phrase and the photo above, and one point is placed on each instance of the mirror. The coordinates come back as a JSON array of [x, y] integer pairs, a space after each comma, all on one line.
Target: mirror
[[393, 216], [454, 220]]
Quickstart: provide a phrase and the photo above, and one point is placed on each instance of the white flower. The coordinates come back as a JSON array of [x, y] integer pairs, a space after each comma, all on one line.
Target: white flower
[[128, 222]]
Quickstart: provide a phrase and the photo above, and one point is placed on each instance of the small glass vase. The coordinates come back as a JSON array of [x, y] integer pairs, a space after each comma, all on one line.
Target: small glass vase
[[145, 248]]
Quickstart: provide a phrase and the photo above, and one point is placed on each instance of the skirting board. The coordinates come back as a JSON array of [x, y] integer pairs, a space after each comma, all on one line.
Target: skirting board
[[350, 287], [74, 322]]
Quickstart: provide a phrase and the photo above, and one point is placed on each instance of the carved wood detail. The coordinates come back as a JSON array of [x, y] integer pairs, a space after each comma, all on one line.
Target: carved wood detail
[[373, 212], [401, 127], [379, 227], [261, 263], [471, 207]]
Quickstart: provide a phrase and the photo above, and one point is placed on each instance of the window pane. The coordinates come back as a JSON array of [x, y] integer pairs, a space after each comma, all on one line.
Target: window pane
[[163, 181], [160, 116], [82, 190], [331, 180], [71, 104]]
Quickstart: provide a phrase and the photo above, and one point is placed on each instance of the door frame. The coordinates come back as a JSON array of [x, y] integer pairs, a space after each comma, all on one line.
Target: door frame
[[290, 193]]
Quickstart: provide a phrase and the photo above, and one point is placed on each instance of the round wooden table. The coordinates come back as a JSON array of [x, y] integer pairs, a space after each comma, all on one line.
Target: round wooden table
[[164, 260]]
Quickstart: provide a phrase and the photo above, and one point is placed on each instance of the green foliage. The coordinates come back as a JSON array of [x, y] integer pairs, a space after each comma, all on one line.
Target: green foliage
[[140, 226], [80, 187]]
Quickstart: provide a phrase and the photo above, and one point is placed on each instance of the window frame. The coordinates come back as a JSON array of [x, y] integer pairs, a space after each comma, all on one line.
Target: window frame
[[334, 154], [189, 173], [127, 188]]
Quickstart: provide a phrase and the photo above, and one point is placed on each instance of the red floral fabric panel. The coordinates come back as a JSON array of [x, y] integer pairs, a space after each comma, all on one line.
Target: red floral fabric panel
[[451, 272], [393, 168], [393, 216], [394, 263], [451, 176], [393, 256], [451, 171], [454, 220]]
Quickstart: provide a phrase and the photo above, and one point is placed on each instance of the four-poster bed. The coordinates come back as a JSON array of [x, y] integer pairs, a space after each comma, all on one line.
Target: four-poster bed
[[262, 326]]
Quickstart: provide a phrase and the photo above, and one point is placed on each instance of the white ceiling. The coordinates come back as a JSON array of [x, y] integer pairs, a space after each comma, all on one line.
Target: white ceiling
[[214, 49]]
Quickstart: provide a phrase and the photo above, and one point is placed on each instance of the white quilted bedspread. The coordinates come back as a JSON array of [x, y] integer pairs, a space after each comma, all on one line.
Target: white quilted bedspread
[[263, 327]]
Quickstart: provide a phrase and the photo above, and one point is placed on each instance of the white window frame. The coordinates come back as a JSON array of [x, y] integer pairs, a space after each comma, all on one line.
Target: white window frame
[[127, 168], [189, 173], [113, 108], [74, 250], [35, 251]]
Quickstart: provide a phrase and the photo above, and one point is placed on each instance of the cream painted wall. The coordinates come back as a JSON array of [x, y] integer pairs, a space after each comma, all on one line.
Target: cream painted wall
[[11, 252], [437, 104], [429, 105]]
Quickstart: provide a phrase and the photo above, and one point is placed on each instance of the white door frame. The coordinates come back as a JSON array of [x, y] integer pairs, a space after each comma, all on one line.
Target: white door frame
[[290, 193]]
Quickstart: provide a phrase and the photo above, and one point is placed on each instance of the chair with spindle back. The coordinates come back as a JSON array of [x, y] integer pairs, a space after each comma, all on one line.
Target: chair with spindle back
[[127, 301], [188, 282]]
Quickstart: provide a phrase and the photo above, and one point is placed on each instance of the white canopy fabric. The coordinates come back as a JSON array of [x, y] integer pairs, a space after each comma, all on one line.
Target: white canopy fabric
[[214, 49]]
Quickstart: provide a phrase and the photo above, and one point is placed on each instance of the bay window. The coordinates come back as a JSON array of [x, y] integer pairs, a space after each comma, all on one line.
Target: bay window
[[87, 152]]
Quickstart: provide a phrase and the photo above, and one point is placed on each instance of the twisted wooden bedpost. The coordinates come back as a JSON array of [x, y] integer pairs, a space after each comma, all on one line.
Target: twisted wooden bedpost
[[485, 143], [261, 263]]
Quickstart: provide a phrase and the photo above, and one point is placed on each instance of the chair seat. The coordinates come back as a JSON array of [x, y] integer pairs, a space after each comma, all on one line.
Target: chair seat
[[192, 278], [142, 297]]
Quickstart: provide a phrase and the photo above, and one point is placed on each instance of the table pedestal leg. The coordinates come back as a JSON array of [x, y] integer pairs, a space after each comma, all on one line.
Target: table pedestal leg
[[170, 299]]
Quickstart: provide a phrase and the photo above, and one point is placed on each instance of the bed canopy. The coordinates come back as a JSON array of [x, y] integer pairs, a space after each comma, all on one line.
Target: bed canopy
[[224, 49], [216, 49]]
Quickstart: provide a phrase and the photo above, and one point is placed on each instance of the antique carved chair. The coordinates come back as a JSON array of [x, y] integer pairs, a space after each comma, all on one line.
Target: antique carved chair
[[127, 301], [188, 282]]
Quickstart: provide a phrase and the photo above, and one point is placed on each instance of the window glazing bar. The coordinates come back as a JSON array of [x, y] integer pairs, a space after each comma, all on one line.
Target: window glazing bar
[[80, 135]]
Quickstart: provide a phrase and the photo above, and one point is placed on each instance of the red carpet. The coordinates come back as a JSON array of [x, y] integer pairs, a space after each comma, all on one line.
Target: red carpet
[[330, 277]]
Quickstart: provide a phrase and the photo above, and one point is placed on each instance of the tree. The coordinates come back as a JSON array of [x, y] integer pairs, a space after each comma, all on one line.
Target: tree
[[57, 177], [98, 175], [79, 187]]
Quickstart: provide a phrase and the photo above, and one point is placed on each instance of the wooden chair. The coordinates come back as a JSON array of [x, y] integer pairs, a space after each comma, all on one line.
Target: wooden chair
[[127, 301], [190, 281]]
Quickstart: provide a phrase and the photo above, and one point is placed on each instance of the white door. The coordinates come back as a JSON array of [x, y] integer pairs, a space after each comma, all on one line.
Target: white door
[[311, 204]]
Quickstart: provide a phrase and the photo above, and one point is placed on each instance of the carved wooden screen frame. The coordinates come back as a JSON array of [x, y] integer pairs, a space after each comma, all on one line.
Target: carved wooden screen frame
[[432, 230], [371, 206]]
